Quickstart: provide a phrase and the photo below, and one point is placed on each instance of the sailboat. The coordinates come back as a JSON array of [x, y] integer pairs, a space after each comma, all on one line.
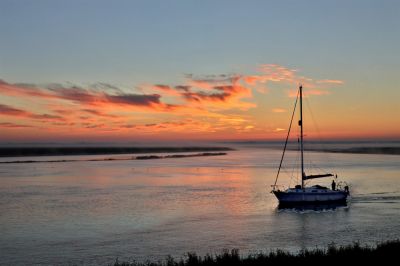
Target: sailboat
[[302, 194]]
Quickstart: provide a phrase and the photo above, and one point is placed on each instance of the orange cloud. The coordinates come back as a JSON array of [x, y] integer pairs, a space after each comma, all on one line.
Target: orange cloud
[[218, 92], [6, 110], [198, 104], [167, 90], [206, 93], [252, 80], [83, 96], [12, 125], [98, 113], [22, 89]]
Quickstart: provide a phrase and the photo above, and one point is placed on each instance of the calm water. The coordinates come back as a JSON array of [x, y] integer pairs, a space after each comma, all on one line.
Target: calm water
[[93, 212]]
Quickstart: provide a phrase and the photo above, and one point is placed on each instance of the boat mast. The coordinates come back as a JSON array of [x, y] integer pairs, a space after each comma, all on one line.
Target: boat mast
[[301, 135]]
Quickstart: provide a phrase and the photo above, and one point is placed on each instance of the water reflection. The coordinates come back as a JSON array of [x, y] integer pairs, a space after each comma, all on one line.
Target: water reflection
[[312, 207]]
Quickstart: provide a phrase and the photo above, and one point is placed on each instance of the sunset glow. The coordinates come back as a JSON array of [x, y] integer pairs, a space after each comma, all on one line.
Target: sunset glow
[[214, 106]]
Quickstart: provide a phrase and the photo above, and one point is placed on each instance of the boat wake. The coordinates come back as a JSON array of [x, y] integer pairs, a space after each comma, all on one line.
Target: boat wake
[[312, 207], [381, 197]]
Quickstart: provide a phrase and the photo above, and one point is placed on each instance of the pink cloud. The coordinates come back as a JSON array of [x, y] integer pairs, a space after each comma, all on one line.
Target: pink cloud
[[330, 81], [272, 73]]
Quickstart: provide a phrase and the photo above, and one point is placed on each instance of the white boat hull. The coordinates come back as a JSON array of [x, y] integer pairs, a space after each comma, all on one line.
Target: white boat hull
[[311, 196]]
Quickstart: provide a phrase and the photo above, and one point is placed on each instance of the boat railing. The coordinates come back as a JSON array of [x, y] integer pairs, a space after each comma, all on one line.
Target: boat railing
[[277, 188], [342, 185]]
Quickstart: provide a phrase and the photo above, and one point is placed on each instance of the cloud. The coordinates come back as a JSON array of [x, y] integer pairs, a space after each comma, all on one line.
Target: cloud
[[211, 81], [221, 93], [63, 123], [163, 87], [252, 80], [166, 90], [205, 93], [75, 94], [19, 89], [8, 110], [11, 111], [330, 81], [106, 87], [204, 96], [89, 97], [88, 125], [184, 88], [217, 92], [98, 113], [12, 125], [273, 73], [128, 126], [197, 103], [184, 125], [134, 99], [46, 117], [86, 96]]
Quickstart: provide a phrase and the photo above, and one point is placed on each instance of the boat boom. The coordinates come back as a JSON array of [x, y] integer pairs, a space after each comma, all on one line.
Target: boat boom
[[316, 176]]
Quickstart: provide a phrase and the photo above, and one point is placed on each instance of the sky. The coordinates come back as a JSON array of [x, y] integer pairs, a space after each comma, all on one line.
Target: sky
[[197, 70]]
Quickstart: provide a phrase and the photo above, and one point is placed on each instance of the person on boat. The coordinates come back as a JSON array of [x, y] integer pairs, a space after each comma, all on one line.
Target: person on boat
[[333, 185]]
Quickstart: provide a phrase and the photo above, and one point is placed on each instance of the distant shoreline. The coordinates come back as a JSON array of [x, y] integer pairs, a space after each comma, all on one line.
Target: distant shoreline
[[362, 150], [144, 157], [65, 151]]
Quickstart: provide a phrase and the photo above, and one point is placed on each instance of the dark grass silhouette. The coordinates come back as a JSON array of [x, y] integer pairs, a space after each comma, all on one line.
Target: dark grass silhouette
[[355, 253]]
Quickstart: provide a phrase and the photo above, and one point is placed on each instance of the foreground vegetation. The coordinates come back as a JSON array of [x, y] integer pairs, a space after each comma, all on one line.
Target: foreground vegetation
[[383, 252]]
